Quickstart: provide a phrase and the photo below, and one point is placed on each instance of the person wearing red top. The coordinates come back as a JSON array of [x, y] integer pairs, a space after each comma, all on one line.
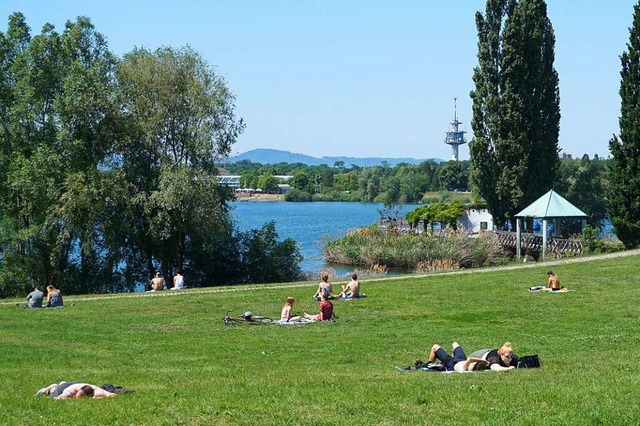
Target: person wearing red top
[[326, 310]]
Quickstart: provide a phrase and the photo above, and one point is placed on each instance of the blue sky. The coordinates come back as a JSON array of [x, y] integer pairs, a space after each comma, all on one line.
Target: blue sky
[[360, 78]]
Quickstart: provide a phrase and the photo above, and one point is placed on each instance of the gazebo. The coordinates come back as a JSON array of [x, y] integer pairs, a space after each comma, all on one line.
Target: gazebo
[[549, 206]]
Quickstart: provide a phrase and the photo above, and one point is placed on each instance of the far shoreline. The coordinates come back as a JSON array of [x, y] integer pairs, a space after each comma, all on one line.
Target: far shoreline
[[260, 197]]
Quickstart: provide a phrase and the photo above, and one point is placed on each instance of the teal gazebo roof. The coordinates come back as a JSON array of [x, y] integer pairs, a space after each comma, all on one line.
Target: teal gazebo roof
[[551, 205]]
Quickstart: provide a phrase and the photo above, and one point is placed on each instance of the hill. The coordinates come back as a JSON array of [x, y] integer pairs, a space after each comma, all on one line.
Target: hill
[[275, 156], [188, 368]]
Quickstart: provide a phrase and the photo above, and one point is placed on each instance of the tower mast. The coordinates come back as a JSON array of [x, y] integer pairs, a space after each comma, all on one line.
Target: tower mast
[[455, 137]]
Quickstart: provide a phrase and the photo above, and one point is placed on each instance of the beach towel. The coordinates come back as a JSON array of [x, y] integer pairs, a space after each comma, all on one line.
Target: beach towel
[[360, 296], [302, 321], [540, 289]]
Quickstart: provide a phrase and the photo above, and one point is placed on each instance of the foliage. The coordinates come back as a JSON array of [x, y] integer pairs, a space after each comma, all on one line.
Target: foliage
[[372, 246], [107, 168], [593, 244], [624, 196], [516, 110], [447, 214], [264, 259], [584, 184], [297, 195]]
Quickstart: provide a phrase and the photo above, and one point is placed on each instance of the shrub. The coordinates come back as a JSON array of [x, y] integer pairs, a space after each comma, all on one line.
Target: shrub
[[297, 195], [369, 246]]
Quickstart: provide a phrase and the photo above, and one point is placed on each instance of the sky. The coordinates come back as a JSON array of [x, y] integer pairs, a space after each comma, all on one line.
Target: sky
[[360, 78]]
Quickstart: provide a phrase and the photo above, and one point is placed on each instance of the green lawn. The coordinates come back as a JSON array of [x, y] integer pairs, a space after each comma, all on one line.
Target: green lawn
[[189, 368]]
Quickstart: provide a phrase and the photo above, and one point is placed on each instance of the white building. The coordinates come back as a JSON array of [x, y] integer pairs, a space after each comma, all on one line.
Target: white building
[[477, 220]]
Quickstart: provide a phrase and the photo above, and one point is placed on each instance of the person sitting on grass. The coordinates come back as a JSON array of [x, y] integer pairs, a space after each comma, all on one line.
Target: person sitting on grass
[[459, 361], [157, 282], [287, 311], [76, 390], [324, 287], [34, 299], [178, 281], [553, 284], [326, 310], [54, 297], [351, 290]]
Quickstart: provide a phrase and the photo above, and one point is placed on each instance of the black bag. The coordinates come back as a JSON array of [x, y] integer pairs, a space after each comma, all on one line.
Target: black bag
[[429, 366], [529, 361]]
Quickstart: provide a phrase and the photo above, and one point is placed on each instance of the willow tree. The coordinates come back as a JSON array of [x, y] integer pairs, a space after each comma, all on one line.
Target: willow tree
[[181, 118], [516, 106], [624, 195]]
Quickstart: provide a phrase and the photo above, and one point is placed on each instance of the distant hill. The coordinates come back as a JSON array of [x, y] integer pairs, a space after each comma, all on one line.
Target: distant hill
[[274, 156]]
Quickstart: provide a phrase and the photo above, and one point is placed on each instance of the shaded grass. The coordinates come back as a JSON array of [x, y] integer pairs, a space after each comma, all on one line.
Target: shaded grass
[[188, 368]]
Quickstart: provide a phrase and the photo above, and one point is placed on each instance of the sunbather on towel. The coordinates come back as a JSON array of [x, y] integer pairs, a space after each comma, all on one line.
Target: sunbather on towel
[[326, 310], [499, 359], [324, 287], [351, 290], [553, 283], [68, 390], [459, 361], [287, 311]]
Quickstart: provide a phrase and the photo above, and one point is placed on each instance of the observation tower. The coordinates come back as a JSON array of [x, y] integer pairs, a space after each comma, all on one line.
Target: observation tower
[[455, 137]]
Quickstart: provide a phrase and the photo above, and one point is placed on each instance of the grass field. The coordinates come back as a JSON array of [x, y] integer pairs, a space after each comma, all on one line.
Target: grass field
[[188, 368]]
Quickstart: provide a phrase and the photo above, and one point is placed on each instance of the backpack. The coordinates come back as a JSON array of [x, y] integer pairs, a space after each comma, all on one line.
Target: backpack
[[529, 361]]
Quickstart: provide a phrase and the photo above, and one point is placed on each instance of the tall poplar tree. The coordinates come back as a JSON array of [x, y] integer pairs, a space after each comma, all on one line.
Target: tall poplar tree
[[516, 106], [624, 196]]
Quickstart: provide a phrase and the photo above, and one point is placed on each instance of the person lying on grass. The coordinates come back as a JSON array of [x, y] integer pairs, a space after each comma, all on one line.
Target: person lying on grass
[[326, 310], [74, 390], [351, 290], [459, 361], [498, 359]]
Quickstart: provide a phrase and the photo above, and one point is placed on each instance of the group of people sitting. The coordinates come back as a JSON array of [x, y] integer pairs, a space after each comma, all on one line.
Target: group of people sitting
[[36, 297], [349, 291], [158, 283], [324, 293]]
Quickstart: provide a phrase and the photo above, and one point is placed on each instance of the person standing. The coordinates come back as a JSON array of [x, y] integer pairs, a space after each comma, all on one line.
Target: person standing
[[34, 299], [178, 281]]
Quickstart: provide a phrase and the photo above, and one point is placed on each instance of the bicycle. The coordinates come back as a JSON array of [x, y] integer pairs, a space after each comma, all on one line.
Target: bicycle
[[246, 318]]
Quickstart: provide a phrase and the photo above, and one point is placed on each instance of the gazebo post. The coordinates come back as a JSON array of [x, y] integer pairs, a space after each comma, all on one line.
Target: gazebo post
[[544, 238], [518, 238]]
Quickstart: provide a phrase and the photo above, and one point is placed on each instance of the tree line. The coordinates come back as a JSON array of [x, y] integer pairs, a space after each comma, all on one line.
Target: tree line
[[582, 181], [107, 168]]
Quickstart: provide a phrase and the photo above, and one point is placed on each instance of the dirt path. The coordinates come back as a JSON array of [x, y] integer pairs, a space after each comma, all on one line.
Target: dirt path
[[208, 290]]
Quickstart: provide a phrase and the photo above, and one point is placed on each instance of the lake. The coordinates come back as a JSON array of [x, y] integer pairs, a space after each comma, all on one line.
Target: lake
[[310, 224]]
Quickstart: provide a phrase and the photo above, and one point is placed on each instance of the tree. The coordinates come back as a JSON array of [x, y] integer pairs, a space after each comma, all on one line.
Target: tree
[[452, 176], [624, 196], [59, 115], [516, 110], [180, 116]]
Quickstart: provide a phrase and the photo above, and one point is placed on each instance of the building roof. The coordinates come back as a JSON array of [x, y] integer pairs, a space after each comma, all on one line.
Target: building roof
[[551, 205]]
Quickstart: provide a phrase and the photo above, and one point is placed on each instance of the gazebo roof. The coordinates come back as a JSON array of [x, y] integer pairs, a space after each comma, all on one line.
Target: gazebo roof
[[551, 205]]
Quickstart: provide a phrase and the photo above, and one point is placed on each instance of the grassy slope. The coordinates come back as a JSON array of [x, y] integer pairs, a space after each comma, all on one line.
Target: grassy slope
[[188, 368]]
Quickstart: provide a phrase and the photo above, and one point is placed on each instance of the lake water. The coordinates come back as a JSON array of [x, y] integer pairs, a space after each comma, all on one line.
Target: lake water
[[310, 224]]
